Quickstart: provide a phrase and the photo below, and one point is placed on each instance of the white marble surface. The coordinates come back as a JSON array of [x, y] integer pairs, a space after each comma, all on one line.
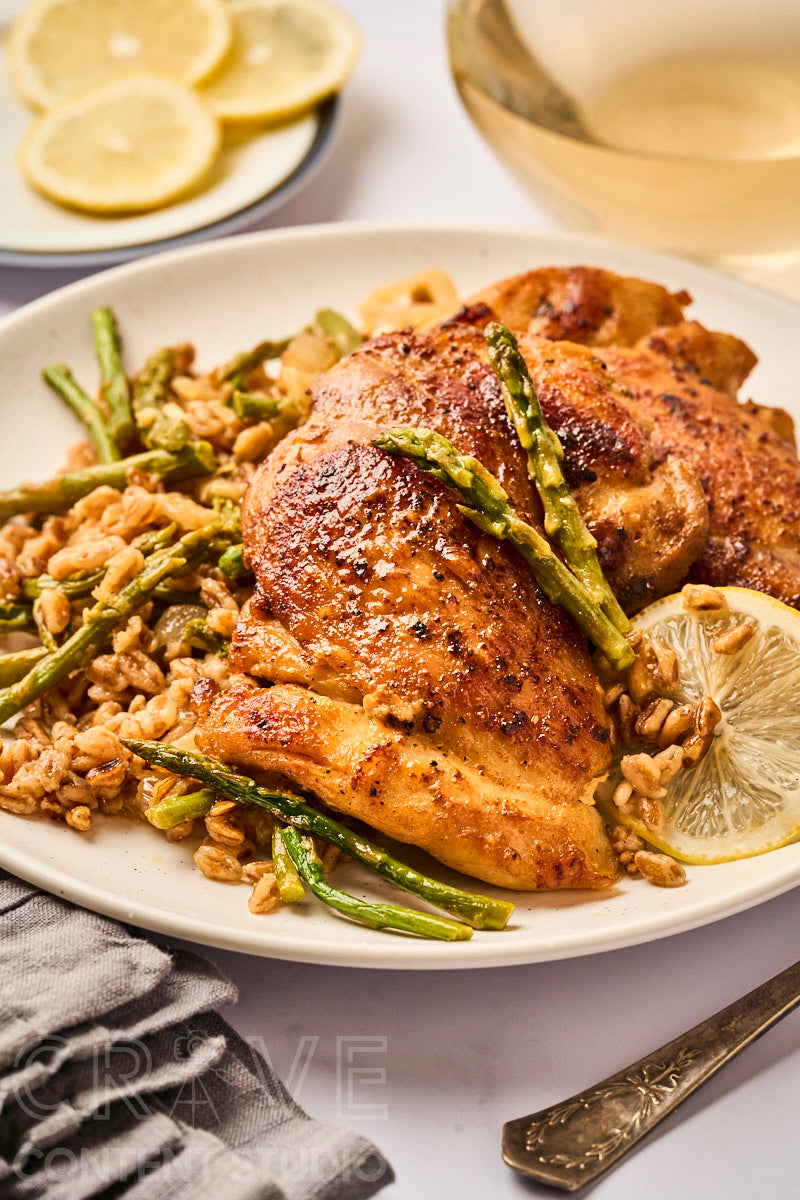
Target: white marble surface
[[430, 1065]]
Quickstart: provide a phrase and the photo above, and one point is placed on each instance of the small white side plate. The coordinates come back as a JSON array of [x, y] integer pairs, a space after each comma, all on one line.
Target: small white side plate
[[230, 294], [256, 171]]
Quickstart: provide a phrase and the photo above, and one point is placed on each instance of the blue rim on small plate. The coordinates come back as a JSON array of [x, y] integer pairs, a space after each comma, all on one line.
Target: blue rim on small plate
[[317, 153]]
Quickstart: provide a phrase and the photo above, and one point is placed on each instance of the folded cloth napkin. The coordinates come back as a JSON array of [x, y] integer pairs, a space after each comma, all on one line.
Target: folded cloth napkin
[[118, 1080]]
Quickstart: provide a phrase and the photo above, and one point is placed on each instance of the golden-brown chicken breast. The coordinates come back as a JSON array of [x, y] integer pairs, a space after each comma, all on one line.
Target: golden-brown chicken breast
[[421, 679]]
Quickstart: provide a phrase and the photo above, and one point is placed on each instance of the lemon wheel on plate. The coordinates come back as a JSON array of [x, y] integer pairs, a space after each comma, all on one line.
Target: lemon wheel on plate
[[60, 49], [743, 797], [133, 145], [286, 56]]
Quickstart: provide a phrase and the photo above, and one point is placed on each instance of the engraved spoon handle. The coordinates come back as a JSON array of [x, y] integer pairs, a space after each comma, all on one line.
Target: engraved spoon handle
[[570, 1144]]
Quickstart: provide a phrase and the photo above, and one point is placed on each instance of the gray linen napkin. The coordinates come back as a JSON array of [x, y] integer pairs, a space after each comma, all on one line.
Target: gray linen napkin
[[118, 1080]]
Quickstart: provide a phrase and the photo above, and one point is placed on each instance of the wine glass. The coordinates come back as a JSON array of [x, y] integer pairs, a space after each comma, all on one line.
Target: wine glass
[[672, 126]]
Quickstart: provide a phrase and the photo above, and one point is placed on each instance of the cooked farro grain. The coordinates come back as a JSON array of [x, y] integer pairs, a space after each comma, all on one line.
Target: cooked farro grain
[[678, 722], [216, 862], [659, 868], [79, 818], [626, 844], [642, 772], [265, 896], [55, 608], [734, 639], [700, 597], [253, 443]]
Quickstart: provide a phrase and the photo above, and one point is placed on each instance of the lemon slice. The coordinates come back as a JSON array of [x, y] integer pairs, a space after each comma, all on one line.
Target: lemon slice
[[743, 798], [287, 55], [133, 145], [59, 49]]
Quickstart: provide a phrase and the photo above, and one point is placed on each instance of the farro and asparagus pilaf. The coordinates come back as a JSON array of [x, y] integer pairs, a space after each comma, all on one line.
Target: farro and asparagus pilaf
[[124, 576]]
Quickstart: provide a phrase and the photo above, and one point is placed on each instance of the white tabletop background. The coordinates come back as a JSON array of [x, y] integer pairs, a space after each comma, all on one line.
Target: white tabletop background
[[429, 1065]]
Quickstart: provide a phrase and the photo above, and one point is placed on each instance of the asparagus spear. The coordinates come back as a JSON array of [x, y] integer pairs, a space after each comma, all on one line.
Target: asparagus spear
[[290, 885], [18, 663], [113, 381], [59, 494], [174, 595], [82, 585], [167, 433], [487, 506], [60, 379], [249, 407], [232, 563], [238, 368], [74, 587], [197, 632], [376, 916], [101, 621], [155, 539], [481, 912], [562, 518], [15, 617], [151, 386], [336, 327], [174, 810], [151, 393]]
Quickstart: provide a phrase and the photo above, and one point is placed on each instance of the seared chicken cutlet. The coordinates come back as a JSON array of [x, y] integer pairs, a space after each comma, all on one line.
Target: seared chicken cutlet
[[420, 679]]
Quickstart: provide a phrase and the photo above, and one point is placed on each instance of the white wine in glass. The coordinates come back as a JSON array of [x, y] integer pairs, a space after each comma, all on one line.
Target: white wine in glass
[[672, 126]]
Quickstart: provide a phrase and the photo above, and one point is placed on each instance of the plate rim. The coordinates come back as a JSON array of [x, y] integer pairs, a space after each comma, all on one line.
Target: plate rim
[[484, 950], [329, 123], [325, 230]]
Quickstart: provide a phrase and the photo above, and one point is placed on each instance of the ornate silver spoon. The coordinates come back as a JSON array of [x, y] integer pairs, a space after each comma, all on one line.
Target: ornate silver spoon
[[570, 1144]]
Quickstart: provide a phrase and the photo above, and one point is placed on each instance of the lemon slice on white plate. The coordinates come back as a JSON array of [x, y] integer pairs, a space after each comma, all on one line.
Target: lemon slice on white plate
[[287, 55], [131, 146], [743, 798], [60, 49]]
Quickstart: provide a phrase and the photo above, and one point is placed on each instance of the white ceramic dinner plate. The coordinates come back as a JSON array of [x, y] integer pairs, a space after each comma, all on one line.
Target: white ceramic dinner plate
[[255, 172], [227, 295]]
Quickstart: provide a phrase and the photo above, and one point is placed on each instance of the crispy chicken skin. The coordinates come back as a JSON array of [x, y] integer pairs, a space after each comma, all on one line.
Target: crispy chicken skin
[[717, 359], [676, 382], [421, 680], [597, 308], [411, 788], [582, 304]]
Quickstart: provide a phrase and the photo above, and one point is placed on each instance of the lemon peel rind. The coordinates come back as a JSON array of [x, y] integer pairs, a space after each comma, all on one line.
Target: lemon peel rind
[[754, 597], [615, 817]]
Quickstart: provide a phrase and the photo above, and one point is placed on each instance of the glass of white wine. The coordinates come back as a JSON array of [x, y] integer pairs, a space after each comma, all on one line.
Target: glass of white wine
[[673, 125]]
